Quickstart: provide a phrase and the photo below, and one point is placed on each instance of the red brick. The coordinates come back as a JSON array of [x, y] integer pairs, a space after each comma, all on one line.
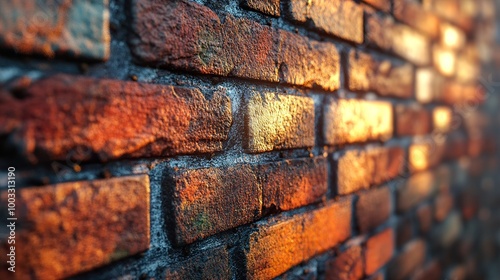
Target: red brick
[[68, 114], [379, 250], [411, 257], [455, 93], [342, 18], [384, 5], [366, 73], [424, 216], [431, 271], [293, 183], [278, 122], [276, 247], [414, 190], [442, 206], [412, 120], [414, 14], [191, 37], [210, 200], [211, 263], [348, 265], [55, 28], [269, 7], [373, 208], [68, 228], [361, 169], [353, 121]]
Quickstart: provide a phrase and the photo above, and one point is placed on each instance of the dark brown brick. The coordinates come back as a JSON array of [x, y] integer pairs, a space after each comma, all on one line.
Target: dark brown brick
[[68, 228], [446, 233], [384, 5], [443, 204], [412, 120], [191, 37], [361, 169], [379, 250], [431, 271], [342, 18], [278, 122], [414, 190], [424, 216], [293, 183], [415, 15], [269, 7], [373, 208], [408, 260], [56, 28], [212, 263], [210, 200], [366, 73], [404, 231], [276, 247], [348, 265], [79, 118]]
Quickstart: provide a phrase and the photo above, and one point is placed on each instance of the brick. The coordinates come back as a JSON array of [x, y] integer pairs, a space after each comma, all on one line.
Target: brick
[[467, 70], [210, 200], [276, 247], [69, 114], [411, 257], [348, 265], [428, 84], [54, 28], [446, 233], [400, 39], [212, 263], [458, 272], [366, 73], [431, 271], [360, 169], [404, 231], [373, 208], [456, 93], [450, 9], [191, 37], [268, 7], [414, 14], [424, 216], [384, 5], [451, 36], [442, 117], [353, 121], [340, 18], [293, 183], [442, 206], [278, 122], [69, 228], [412, 120], [414, 190], [379, 250], [425, 154], [444, 60]]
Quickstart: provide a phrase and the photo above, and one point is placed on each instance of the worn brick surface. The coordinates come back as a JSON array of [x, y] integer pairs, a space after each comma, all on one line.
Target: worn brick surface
[[348, 265], [414, 190], [192, 37], [278, 122], [79, 117], [352, 121], [68, 228], [56, 28], [373, 208], [366, 73], [212, 263], [274, 248], [379, 250], [342, 18], [408, 260], [412, 120], [414, 14], [269, 7], [360, 169]]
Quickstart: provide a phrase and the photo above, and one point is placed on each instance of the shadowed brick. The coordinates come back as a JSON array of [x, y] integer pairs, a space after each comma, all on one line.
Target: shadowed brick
[[56, 28], [424, 216], [412, 120], [414, 190], [431, 271], [404, 231], [360, 169], [69, 228], [447, 232], [408, 260], [373, 208], [353, 121], [342, 18], [79, 118], [276, 247], [191, 37], [348, 265], [442, 206], [366, 73], [212, 263], [278, 122], [269, 7], [379, 250], [413, 14]]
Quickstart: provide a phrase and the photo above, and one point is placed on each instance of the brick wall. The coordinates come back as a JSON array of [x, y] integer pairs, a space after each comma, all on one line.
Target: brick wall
[[247, 139]]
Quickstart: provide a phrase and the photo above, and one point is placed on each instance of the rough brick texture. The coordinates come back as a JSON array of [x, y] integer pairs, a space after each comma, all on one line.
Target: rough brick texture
[[210, 264], [60, 237], [270, 7], [379, 250], [348, 265]]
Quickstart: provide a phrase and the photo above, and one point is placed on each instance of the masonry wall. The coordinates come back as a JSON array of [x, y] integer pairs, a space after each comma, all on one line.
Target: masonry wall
[[292, 139]]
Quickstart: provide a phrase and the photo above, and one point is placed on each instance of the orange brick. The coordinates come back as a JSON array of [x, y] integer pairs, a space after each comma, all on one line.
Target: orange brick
[[373, 208], [69, 228], [348, 265], [379, 250], [384, 5], [276, 247], [412, 120], [414, 190], [269, 7], [426, 154], [414, 14]]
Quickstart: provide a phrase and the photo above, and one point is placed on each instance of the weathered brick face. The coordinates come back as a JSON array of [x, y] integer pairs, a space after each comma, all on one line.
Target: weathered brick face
[[248, 139]]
